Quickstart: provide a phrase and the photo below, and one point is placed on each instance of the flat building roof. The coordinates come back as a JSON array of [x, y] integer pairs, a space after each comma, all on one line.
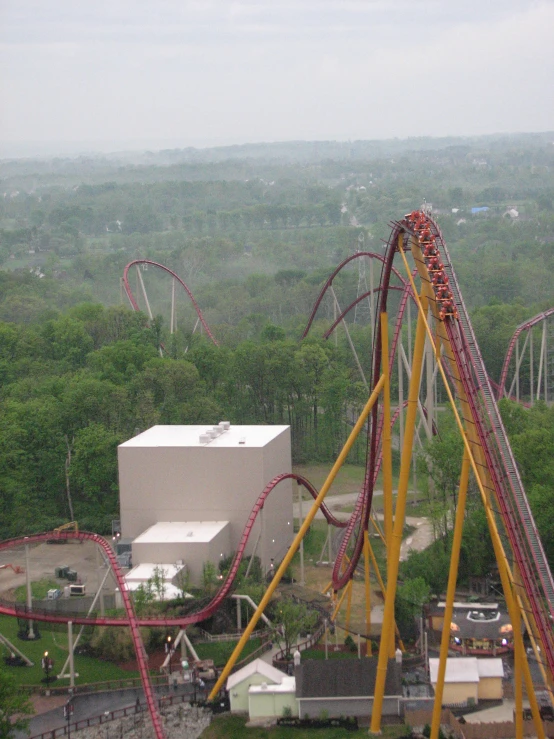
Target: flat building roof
[[190, 436], [146, 570], [181, 532]]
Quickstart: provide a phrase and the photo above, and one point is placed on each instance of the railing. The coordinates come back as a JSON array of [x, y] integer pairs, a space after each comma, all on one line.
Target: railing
[[119, 684], [311, 641], [233, 636], [108, 716]]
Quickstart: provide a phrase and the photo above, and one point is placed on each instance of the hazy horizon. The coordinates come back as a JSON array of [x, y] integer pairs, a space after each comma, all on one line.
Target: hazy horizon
[[113, 76], [73, 149]]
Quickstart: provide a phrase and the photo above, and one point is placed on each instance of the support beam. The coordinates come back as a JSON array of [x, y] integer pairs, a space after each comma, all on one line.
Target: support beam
[[501, 559], [387, 437], [367, 583], [450, 593], [394, 551], [299, 536]]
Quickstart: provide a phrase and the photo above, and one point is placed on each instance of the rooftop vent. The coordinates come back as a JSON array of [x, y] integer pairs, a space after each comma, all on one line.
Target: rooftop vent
[[225, 425], [204, 438]]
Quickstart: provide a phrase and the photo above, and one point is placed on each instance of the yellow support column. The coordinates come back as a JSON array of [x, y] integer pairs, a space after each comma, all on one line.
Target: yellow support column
[[339, 603], [518, 680], [367, 592], [299, 536], [349, 605], [387, 439], [450, 593], [515, 617], [387, 444], [383, 590], [396, 541], [501, 559]]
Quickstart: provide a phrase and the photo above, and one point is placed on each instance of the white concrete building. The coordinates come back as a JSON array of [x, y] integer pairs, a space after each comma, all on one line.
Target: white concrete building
[[204, 480], [191, 542]]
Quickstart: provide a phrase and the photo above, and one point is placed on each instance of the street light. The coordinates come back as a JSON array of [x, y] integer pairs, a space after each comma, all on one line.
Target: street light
[[168, 650], [68, 713], [47, 666]]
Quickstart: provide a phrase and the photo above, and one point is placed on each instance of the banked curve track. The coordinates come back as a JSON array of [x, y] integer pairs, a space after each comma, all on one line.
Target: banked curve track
[[526, 326], [130, 618], [133, 300]]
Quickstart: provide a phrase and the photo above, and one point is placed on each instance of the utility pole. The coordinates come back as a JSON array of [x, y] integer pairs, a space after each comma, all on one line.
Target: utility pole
[[29, 593]]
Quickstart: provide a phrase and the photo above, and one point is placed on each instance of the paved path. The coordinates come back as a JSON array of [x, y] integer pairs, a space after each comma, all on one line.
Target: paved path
[[90, 705], [418, 540]]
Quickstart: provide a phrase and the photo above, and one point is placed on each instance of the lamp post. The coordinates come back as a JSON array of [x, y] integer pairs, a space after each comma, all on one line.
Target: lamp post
[[68, 713], [47, 663], [169, 650]]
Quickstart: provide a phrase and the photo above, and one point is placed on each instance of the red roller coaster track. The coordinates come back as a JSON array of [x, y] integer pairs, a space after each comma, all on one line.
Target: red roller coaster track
[[130, 619], [539, 318], [467, 369], [175, 276], [537, 585]]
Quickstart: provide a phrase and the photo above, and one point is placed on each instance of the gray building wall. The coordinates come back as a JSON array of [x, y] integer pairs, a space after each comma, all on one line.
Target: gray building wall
[[349, 706], [212, 482]]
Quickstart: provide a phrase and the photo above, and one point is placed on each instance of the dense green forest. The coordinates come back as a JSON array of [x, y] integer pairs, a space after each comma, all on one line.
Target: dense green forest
[[253, 231]]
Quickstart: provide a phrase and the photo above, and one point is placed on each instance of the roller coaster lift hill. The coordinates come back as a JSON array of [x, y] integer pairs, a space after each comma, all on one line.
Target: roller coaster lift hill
[[526, 578]]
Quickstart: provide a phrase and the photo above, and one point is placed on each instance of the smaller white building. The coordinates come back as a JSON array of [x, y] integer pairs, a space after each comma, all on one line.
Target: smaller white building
[[192, 542], [270, 700], [254, 673], [170, 574], [469, 679]]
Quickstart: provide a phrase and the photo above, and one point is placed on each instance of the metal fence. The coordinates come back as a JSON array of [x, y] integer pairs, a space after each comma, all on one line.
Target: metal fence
[[108, 716]]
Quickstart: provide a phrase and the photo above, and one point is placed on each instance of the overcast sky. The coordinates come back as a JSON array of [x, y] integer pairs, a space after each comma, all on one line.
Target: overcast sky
[[117, 74]]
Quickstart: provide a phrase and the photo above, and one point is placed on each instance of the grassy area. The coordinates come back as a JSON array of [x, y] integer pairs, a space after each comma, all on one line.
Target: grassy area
[[39, 589], [348, 480], [234, 727], [221, 651], [90, 670]]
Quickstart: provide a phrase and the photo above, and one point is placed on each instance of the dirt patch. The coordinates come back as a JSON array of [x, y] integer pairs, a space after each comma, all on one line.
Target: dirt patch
[[155, 661], [45, 703], [43, 560]]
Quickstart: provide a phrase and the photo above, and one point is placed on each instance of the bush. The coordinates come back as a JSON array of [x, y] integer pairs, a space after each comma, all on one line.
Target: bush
[[350, 643], [112, 644]]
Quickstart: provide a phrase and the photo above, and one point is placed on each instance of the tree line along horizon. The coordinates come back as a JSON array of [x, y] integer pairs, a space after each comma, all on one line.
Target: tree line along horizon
[[80, 374]]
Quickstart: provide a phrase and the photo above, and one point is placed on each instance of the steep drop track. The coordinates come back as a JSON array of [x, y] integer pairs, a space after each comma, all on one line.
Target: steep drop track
[[466, 371], [500, 476]]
